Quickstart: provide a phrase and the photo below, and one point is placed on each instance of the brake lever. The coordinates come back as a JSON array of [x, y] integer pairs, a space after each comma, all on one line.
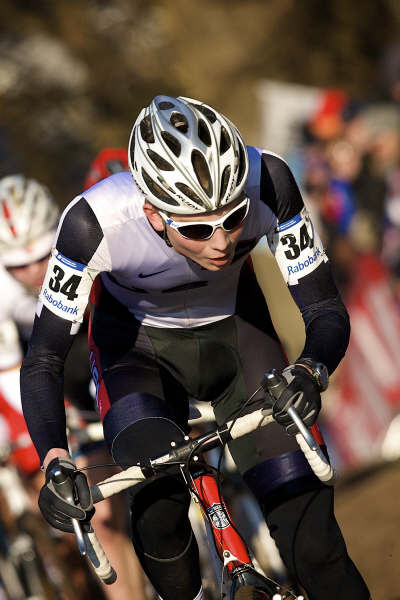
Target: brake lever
[[274, 384], [64, 487]]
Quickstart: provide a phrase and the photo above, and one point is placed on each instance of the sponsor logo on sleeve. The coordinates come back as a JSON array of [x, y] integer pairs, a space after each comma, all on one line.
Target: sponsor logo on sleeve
[[65, 287], [72, 310], [301, 265], [298, 248], [70, 263]]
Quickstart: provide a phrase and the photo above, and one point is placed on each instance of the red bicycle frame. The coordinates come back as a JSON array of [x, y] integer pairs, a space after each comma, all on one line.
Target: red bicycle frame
[[231, 548]]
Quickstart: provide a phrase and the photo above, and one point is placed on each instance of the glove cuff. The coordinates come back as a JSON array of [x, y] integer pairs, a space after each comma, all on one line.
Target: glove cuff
[[317, 370]]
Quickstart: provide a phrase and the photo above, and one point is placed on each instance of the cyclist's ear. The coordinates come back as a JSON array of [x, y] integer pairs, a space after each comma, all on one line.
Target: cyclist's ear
[[152, 214]]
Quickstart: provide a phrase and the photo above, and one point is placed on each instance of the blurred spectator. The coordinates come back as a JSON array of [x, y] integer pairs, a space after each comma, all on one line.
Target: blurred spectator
[[348, 165], [349, 168], [391, 72], [327, 122]]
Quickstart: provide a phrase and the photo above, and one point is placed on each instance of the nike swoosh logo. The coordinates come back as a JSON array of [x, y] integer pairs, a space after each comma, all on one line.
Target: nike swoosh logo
[[142, 276]]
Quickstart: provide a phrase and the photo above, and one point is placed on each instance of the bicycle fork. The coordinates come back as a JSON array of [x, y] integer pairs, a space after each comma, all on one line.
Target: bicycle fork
[[231, 548]]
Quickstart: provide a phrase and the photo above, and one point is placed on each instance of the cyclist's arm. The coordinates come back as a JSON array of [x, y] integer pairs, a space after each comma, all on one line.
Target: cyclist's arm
[[10, 362], [81, 253], [10, 345], [17, 305], [304, 265]]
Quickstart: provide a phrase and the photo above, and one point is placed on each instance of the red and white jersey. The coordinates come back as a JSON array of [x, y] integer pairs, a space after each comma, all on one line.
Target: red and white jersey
[[17, 311]]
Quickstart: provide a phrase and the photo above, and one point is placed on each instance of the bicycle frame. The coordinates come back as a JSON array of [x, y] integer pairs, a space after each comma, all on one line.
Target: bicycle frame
[[231, 548]]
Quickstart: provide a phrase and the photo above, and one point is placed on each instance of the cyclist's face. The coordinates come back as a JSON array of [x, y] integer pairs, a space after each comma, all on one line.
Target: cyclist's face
[[31, 276], [212, 254]]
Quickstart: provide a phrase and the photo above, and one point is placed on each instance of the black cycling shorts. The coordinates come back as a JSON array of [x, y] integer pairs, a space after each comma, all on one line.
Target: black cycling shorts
[[144, 372]]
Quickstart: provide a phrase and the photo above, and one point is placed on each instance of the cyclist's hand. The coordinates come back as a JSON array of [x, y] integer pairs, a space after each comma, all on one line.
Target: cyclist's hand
[[303, 393], [57, 511]]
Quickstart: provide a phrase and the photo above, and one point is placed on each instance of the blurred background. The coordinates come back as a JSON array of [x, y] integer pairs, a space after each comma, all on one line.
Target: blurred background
[[317, 82]]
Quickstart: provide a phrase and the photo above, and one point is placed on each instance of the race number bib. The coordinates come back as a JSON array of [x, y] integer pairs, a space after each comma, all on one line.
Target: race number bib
[[66, 287], [297, 247]]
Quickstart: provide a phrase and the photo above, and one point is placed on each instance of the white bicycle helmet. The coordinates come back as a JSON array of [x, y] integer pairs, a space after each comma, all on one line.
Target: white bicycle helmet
[[28, 221], [186, 157]]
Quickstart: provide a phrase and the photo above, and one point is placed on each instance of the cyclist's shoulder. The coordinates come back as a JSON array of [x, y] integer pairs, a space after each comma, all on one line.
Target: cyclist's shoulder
[[272, 183], [269, 176], [109, 202], [115, 186], [261, 158]]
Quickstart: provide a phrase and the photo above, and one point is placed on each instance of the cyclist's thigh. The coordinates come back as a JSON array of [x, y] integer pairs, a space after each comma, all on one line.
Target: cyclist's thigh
[[267, 458], [131, 385]]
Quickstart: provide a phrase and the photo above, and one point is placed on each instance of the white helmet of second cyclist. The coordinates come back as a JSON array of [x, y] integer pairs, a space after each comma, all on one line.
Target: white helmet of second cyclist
[[28, 221], [186, 157]]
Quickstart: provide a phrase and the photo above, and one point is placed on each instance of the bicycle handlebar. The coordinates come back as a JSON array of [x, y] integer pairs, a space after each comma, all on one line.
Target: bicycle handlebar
[[232, 430], [87, 542], [274, 384]]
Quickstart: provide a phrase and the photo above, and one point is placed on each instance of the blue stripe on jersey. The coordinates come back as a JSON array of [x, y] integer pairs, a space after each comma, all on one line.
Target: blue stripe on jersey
[[70, 263], [290, 223]]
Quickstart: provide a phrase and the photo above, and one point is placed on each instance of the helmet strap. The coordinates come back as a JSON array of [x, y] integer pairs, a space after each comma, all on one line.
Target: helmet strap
[[165, 236]]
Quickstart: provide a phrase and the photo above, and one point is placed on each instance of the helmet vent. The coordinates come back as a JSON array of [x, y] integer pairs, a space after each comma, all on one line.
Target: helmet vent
[[159, 161], [146, 130], [172, 143], [203, 133], [202, 172], [132, 148], [242, 164], [224, 181], [225, 142], [165, 105], [189, 192], [180, 122], [157, 191], [209, 114]]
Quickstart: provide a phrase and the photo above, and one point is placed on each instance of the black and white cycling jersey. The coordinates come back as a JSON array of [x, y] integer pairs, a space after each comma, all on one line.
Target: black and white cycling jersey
[[159, 286], [105, 233]]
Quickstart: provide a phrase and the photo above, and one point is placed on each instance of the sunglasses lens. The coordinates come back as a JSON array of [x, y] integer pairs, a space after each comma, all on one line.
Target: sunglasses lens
[[203, 231], [197, 231], [235, 218]]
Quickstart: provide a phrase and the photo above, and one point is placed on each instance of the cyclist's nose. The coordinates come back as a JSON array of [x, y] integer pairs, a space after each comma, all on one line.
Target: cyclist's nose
[[220, 240]]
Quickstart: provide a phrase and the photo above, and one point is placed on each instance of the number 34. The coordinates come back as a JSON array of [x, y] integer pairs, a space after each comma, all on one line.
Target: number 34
[[294, 247], [69, 287]]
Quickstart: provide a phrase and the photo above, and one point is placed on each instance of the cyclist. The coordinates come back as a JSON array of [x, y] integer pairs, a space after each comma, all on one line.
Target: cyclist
[[175, 314], [28, 224], [107, 162]]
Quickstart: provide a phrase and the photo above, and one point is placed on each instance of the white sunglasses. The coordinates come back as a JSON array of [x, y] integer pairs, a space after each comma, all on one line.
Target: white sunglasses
[[204, 230]]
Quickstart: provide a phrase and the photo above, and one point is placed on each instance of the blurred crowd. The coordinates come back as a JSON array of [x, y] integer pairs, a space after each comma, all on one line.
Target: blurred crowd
[[348, 166]]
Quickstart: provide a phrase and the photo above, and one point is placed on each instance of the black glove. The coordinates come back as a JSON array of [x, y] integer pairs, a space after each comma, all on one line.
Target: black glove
[[57, 511], [303, 393]]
